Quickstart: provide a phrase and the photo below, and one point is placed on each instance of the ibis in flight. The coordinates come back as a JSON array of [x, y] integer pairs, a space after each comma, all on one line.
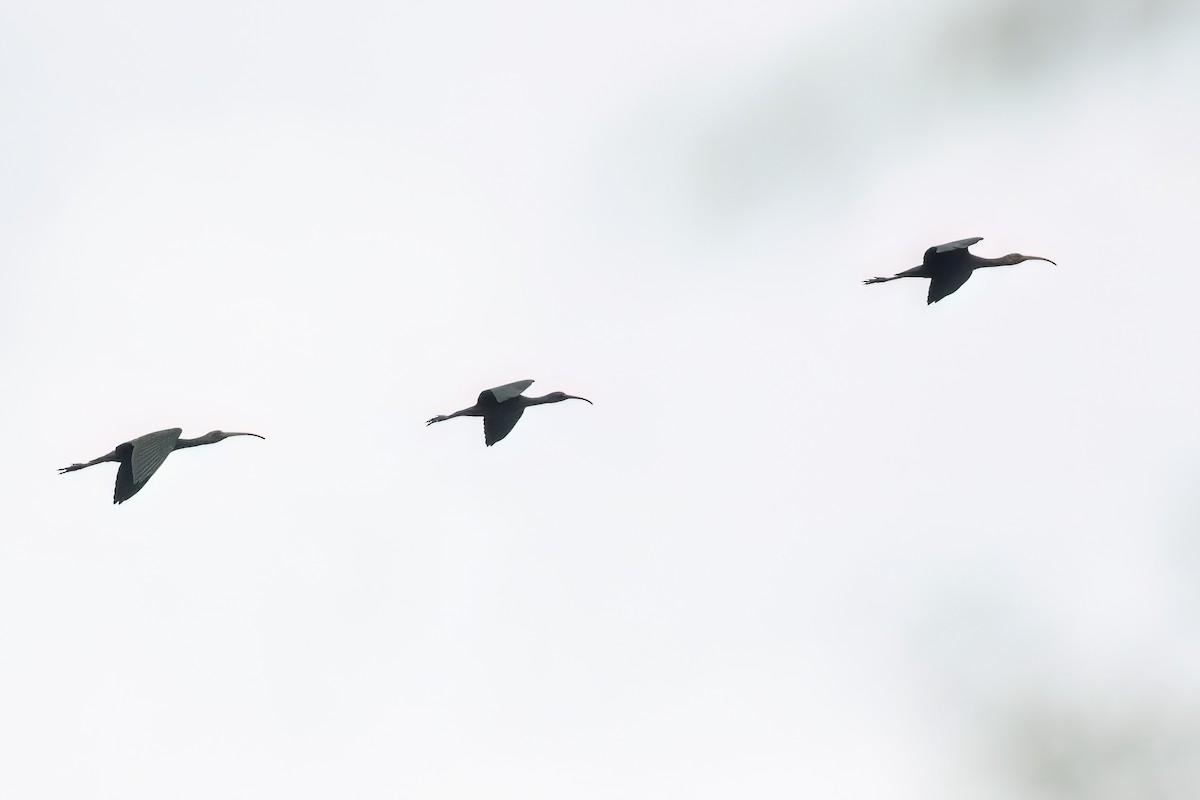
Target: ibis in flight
[[502, 407], [141, 457], [949, 265]]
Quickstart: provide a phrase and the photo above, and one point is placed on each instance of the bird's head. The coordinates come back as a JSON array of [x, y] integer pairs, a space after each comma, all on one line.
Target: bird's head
[[558, 397], [217, 436], [1017, 258]]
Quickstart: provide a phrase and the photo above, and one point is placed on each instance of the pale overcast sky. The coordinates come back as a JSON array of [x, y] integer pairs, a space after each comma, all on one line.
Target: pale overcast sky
[[814, 538]]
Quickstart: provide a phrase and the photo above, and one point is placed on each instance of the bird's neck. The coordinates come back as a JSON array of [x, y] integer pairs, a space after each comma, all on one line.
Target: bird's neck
[[205, 439], [1002, 261], [537, 401]]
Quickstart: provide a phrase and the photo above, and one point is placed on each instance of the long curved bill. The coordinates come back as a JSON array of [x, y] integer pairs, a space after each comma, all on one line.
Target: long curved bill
[[584, 399], [231, 433]]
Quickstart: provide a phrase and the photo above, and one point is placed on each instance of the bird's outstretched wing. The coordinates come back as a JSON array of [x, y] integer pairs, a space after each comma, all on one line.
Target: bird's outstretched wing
[[149, 452], [124, 487], [961, 244], [948, 252], [946, 282], [506, 392], [500, 421]]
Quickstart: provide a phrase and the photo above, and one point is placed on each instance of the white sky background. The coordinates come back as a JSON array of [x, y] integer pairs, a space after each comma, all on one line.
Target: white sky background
[[814, 539]]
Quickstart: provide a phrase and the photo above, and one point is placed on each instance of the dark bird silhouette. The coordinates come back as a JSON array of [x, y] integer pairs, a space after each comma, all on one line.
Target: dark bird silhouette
[[949, 265], [502, 407], [141, 457]]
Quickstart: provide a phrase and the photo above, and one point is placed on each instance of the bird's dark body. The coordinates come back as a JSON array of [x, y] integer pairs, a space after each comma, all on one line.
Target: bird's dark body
[[948, 271], [499, 416]]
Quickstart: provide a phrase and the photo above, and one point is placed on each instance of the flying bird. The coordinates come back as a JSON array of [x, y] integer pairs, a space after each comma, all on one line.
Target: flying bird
[[502, 407], [141, 457], [949, 265]]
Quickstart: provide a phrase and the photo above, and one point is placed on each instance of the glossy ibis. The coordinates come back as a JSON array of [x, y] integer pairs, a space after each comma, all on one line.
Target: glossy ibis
[[502, 407], [949, 265], [141, 457]]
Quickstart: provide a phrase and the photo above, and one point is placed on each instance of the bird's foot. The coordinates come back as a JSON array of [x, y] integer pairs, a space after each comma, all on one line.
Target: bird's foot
[[876, 280], [436, 419], [72, 468]]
